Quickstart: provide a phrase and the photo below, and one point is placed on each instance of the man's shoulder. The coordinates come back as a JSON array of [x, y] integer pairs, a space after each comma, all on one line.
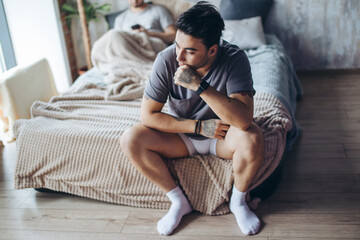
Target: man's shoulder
[[123, 14], [231, 51], [158, 7], [166, 60], [168, 53], [230, 48]]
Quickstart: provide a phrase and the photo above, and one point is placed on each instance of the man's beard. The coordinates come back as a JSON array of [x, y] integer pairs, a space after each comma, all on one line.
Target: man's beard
[[139, 5]]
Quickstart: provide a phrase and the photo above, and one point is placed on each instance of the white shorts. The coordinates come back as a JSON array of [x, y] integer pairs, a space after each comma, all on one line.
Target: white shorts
[[194, 146]]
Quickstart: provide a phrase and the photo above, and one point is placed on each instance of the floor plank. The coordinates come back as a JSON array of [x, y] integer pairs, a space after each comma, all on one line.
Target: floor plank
[[13, 199], [295, 165], [64, 235], [318, 151], [330, 137], [63, 220], [316, 183], [352, 150], [324, 125], [290, 226], [299, 203]]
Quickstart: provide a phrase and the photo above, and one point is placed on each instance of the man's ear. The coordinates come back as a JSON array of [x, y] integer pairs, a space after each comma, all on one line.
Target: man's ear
[[213, 50]]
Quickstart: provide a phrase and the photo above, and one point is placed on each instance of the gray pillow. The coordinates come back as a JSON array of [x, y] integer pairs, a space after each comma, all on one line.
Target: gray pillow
[[240, 9], [110, 18], [245, 33]]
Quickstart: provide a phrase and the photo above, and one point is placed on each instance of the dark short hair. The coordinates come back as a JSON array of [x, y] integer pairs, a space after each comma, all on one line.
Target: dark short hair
[[202, 21]]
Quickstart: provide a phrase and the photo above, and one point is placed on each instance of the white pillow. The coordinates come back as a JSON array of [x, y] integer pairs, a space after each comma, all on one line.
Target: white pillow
[[176, 7], [245, 33]]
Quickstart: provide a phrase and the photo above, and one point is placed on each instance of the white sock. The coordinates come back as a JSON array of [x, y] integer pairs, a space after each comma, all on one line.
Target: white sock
[[247, 221], [180, 206]]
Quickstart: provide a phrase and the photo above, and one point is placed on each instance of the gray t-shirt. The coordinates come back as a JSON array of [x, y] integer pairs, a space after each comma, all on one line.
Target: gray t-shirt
[[154, 18], [229, 74]]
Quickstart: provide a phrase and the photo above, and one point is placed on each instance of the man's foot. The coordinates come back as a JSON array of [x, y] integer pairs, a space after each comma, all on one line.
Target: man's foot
[[180, 207], [247, 221]]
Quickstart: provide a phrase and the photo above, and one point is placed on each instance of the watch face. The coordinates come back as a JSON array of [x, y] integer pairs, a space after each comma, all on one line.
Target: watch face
[[202, 87], [204, 84]]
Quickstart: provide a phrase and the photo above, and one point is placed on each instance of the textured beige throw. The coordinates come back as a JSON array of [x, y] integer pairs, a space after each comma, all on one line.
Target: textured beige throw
[[72, 145], [120, 53]]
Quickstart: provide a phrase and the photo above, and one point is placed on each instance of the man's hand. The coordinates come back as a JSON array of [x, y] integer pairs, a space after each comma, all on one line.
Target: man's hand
[[138, 28], [187, 77], [214, 128]]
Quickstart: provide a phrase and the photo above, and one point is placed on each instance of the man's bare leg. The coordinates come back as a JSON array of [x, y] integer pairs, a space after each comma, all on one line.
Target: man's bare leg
[[246, 148], [145, 148]]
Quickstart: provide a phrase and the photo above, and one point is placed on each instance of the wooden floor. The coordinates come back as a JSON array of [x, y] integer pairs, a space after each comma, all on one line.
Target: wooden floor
[[318, 197]]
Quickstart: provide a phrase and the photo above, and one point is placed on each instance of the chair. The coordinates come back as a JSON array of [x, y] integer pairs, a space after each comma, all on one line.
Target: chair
[[19, 88]]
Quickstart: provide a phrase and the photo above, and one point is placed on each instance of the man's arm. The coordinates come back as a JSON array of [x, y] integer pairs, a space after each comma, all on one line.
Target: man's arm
[[167, 36], [151, 116], [236, 109]]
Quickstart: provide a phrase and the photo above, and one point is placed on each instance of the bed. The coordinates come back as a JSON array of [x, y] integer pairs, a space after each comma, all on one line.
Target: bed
[[71, 143]]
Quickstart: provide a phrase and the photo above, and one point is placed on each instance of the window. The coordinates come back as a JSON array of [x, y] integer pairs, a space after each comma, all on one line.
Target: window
[[36, 32], [2, 61], [7, 57]]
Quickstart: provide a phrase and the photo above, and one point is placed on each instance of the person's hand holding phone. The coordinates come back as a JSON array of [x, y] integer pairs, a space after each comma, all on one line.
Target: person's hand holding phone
[[136, 26], [139, 28]]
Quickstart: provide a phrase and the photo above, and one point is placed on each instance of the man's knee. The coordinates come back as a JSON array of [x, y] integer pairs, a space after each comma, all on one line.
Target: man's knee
[[255, 154], [256, 137], [251, 141], [131, 139]]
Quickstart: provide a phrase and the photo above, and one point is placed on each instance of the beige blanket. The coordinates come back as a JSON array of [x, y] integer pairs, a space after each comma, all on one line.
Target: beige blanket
[[72, 143], [120, 54]]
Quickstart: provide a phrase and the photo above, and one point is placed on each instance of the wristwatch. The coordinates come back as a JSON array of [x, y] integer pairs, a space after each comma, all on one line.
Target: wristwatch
[[202, 87]]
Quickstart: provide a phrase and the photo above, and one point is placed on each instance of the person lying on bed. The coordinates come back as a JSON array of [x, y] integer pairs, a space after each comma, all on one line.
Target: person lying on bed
[[209, 85], [154, 20]]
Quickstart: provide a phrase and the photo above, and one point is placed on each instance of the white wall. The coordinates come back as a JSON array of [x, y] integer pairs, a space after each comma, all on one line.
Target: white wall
[[318, 34], [36, 32]]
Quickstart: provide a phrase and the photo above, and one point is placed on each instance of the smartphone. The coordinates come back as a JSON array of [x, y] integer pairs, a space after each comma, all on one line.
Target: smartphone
[[136, 26]]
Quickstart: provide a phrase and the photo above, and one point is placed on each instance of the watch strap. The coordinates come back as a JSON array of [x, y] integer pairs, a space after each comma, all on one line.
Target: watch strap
[[202, 87]]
